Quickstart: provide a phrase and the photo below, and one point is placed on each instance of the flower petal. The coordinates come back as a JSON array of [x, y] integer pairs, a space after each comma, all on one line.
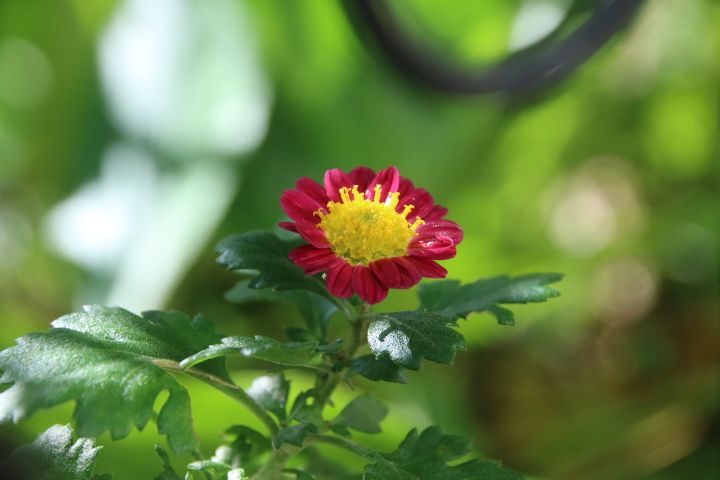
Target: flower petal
[[408, 272], [442, 228], [421, 199], [339, 279], [291, 226], [335, 179], [312, 189], [405, 187], [367, 286], [388, 179], [439, 247], [312, 259], [436, 213], [361, 176], [428, 268], [300, 207], [313, 234], [387, 271]]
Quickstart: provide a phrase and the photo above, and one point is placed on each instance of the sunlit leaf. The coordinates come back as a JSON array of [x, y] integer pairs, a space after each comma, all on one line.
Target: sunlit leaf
[[452, 300]]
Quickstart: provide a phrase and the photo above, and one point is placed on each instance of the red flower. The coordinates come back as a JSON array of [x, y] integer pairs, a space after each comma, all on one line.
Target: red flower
[[370, 232]]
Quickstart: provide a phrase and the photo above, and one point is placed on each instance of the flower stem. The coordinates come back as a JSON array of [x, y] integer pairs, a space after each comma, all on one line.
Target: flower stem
[[346, 444], [229, 389]]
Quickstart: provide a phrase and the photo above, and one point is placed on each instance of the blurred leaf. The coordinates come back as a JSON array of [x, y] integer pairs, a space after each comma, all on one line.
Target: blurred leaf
[[265, 253], [271, 393], [408, 337], [378, 368], [315, 310], [244, 444], [294, 435], [300, 474], [426, 457], [304, 412], [292, 354], [452, 300], [104, 359], [54, 456], [168, 472], [212, 467], [363, 414]]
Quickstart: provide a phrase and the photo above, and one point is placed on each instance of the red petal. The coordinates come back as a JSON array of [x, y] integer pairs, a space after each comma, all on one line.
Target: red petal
[[408, 272], [444, 228], [339, 279], [335, 179], [436, 213], [312, 259], [367, 286], [312, 189], [300, 207], [291, 226], [421, 199], [405, 187], [361, 176], [386, 270], [428, 268], [388, 179], [438, 247], [313, 234]]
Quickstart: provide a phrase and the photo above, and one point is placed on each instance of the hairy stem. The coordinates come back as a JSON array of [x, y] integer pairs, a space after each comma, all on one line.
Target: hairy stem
[[229, 389]]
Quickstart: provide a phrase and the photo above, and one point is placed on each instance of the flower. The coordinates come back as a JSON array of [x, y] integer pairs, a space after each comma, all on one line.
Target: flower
[[370, 232]]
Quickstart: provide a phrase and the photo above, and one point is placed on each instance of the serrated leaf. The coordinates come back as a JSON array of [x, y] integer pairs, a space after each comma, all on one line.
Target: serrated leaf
[[271, 393], [267, 254], [452, 300], [168, 472], [54, 456], [426, 456], [408, 337], [103, 358], [294, 435], [378, 368], [315, 309], [291, 354], [363, 414]]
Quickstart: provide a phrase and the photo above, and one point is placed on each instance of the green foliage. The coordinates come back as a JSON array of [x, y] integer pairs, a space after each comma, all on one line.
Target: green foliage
[[294, 435], [363, 414], [104, 359], [114, 364], [290, 354], [54, 456], [378, 368], [426, 456], [452, 300], [408, 337], [267, 254]]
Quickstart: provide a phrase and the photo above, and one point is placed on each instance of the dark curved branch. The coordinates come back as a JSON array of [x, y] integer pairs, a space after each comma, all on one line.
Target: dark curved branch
[[519, 73]]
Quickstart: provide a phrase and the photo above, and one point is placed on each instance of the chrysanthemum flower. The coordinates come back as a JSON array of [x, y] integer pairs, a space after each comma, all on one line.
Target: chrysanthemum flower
[[370, 232]]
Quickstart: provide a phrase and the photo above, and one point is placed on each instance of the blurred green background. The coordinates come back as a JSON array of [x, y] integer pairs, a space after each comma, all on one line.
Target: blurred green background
[[135, 134]]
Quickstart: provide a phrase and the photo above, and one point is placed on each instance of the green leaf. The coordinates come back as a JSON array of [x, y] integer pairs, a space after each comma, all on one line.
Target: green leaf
[[291, 354], [300, 474], [294, 435], [105, 359], [408, 337], [244, 445], [452, 300], [267, 254], [303, 411], [168, 472], [54, 456], [315, 310], [378, 369], [363, 414], [271, 393], [426, 457]]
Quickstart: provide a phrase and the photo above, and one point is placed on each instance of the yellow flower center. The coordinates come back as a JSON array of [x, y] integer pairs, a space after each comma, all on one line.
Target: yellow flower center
[[362, 231]]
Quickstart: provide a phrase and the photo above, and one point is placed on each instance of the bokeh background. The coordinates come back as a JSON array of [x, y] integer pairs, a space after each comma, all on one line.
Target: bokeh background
[[134, 134]]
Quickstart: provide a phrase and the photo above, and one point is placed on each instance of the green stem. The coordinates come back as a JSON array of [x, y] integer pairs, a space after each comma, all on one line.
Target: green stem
[[229, 389], [346, 444], [273, 468]]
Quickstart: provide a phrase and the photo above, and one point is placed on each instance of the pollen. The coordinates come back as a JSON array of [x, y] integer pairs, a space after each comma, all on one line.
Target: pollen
[[362, 230]]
